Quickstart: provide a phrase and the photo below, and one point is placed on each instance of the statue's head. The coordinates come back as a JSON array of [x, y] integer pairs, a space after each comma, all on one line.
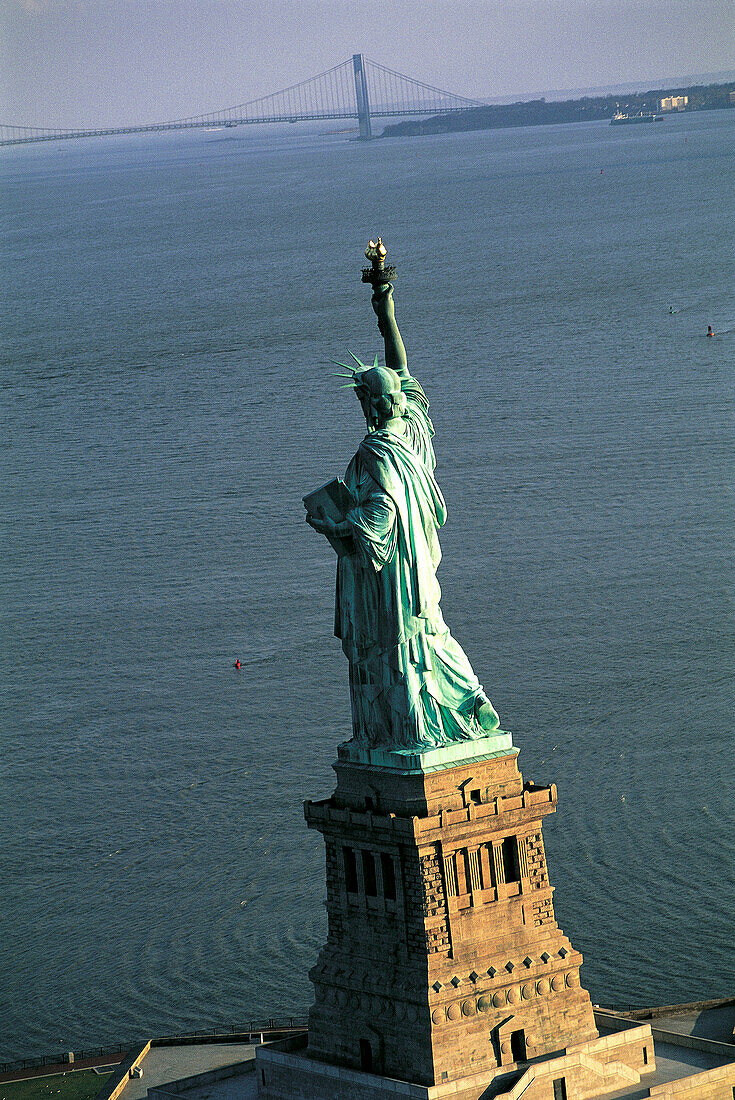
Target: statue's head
[[379, 392]]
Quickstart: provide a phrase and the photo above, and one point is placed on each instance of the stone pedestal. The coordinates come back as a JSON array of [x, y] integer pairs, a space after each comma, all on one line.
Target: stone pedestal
[[595, 1068], [443, 961]]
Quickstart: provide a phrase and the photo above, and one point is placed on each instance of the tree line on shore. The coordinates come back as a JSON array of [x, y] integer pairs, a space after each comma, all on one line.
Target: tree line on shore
[[540, 112]]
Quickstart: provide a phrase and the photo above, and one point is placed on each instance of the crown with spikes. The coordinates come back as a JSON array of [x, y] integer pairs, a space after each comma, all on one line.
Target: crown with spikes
[[354, 372]]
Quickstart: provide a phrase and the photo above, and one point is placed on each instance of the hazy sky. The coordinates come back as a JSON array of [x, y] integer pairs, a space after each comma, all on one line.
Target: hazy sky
[[110, 62]]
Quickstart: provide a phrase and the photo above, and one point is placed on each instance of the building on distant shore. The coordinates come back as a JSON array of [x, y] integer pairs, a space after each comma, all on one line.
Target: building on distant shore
[[675, 102]]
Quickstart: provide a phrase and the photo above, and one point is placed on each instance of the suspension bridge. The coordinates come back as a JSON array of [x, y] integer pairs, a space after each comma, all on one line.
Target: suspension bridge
[[357, 89]]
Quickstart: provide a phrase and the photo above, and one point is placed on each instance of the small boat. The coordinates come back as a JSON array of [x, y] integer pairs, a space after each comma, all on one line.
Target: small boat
[[621, 119]]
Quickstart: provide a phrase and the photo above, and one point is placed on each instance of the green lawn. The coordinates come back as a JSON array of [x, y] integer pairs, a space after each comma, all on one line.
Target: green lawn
[[80, 1085]]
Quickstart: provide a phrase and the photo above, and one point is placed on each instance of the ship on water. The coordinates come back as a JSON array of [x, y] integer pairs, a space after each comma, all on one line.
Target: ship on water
[[620, 118]]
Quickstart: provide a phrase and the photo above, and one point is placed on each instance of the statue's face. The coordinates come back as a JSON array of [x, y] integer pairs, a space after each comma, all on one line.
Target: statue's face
[[363, 396]]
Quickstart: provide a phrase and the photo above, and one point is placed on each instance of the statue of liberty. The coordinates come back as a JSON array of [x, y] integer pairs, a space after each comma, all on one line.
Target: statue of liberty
[[411, 685]]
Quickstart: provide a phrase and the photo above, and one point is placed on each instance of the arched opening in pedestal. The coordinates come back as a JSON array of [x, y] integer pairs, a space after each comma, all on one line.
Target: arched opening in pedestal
[[518, 1046], [366, 1056]]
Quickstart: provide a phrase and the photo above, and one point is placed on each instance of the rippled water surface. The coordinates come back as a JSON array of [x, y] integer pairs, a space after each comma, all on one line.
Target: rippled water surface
[[171, 307]]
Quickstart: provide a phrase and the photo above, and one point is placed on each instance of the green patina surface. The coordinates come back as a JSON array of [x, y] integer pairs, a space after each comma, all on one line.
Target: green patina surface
[[499, 743], [79, 1085], [411, 684]]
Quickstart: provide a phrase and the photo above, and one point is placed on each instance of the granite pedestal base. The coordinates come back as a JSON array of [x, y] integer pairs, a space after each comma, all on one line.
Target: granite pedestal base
[[587, 1070]]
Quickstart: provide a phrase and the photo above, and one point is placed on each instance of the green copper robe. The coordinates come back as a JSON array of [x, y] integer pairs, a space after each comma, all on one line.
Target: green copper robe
[[411, 685]]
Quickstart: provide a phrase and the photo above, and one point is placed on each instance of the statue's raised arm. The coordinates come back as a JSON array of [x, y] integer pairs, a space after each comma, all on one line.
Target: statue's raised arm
[[417, 426], [385, 310], [379, 276]]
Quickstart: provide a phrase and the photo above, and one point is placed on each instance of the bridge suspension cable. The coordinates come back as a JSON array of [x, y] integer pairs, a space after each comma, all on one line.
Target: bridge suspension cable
[[394, 93], [326, 95]]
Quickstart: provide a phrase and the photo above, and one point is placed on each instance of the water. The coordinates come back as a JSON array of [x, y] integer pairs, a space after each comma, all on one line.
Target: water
[[171, 307]]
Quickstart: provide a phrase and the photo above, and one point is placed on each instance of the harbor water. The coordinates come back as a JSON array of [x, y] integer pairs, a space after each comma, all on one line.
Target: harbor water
[[171, 305]]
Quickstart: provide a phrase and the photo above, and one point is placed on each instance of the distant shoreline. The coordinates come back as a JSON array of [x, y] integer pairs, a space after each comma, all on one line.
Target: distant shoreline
[[540, 112]]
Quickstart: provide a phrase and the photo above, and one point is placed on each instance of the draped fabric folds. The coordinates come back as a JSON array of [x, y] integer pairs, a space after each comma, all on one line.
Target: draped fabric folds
[[411, 685]]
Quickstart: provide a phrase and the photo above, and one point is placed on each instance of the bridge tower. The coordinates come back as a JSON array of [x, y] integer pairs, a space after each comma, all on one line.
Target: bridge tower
[[361, 91]]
